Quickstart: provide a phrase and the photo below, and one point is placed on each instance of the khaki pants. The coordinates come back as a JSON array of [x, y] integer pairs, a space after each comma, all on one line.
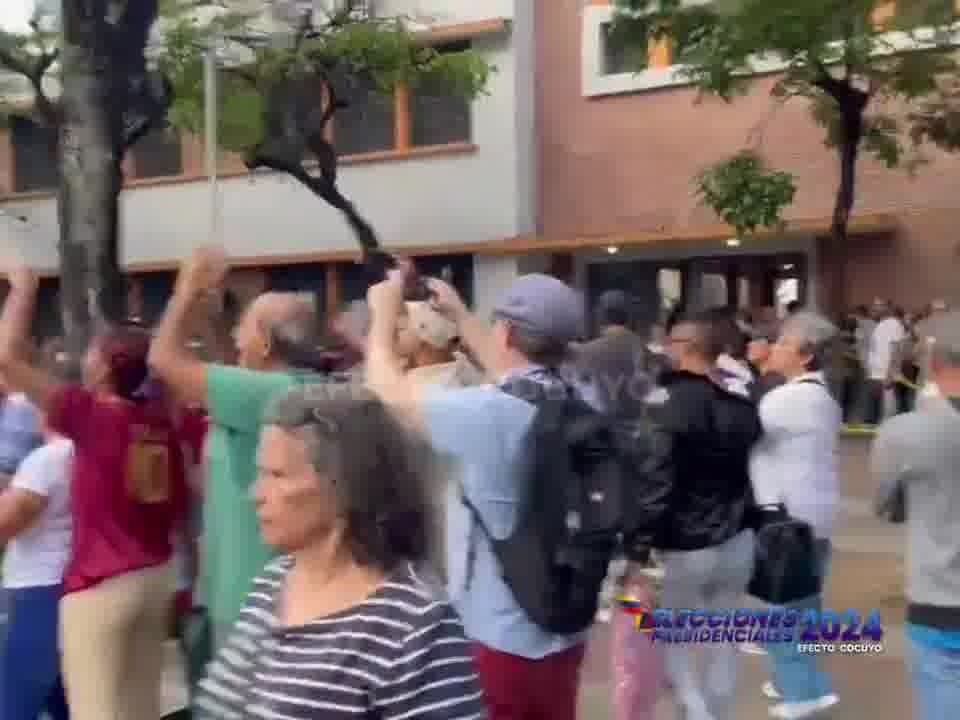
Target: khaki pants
[[112, 638]]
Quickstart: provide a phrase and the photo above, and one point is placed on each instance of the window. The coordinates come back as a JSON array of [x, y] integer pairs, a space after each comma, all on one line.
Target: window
[[35, 165], [619, 56], [369, 123], [158, 154], [713, 290], [439, 117]]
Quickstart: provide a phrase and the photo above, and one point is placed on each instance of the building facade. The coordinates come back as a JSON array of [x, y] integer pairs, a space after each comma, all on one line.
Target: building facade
[[437, 177], [619, 149]]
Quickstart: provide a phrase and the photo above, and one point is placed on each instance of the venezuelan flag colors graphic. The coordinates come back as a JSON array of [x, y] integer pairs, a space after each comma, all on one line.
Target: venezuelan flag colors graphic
[[640, 610]]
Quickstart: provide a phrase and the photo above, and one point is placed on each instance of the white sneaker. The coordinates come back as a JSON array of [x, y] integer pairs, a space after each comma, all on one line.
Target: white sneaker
[[603, 615], [752, 649], [770, 691], [805, 709]]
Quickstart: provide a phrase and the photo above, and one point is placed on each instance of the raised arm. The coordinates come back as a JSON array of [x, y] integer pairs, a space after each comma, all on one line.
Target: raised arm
[[384, 370], [15, 366], [474, 331], [169, 357]]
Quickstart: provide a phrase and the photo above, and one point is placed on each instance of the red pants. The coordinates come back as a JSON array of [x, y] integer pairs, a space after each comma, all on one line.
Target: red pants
[[516, 688]]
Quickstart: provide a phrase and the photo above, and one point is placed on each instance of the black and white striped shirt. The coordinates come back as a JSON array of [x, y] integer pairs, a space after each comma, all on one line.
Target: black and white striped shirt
[[399, 655]]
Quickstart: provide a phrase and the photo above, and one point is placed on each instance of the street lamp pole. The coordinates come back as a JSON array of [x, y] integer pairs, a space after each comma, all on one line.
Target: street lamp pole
[[211, 120]]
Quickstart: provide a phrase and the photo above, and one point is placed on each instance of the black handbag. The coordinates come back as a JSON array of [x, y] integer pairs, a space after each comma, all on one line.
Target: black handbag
[[785, 565]]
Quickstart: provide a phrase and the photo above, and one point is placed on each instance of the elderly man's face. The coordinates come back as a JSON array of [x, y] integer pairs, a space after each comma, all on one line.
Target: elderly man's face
[[249, 338]]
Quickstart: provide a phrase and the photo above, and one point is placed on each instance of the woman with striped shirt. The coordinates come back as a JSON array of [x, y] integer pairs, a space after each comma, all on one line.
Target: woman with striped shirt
[[342, 626]]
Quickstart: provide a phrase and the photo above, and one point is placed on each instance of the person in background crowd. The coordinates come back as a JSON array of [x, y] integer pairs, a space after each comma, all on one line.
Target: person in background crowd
[[35, 527], [849, 370], [191, 423], [429, 342], [732, 368], [341, 626], [272, 337], [916, 455], [695, 510], [906, 371], [618, 361], [795, 463], [128, 495], [877, 400], [758, 358], [19, 431], [925, 341], [865, 325], [526, 673]]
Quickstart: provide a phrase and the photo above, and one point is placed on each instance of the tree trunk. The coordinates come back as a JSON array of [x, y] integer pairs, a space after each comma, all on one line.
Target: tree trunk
[[849, 151], [91, 178]]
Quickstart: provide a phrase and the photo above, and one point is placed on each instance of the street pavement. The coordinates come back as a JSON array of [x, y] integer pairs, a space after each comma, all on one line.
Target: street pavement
[[866, 573]]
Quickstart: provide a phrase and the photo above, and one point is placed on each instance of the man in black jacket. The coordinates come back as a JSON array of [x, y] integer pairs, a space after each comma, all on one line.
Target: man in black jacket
[[694, 505]]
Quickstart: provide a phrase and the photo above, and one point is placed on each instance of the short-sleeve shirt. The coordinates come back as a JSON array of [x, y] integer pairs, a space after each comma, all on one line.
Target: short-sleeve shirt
[[483, 428], [400, 654], [128, 487], [233, 549], [885, 335], [19, 431], [38, 556]]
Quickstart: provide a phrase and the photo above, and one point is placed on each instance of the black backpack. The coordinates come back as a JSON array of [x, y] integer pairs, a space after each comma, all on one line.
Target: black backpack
[[574, 469]]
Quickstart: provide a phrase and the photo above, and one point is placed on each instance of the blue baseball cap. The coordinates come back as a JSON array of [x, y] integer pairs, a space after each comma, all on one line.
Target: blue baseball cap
[[543, 306]]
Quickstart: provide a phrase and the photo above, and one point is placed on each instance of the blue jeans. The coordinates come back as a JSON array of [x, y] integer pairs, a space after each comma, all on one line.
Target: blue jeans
[[798, 677], [30, 680], [936, 680]]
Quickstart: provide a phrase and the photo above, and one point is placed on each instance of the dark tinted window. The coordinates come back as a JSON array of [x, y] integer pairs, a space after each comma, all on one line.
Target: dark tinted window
[[439, 117], [620, 56], [35, 165], [367, 125], [158, 154]]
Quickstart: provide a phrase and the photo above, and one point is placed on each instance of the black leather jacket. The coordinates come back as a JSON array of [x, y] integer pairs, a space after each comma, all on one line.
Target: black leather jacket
[[695, 491]]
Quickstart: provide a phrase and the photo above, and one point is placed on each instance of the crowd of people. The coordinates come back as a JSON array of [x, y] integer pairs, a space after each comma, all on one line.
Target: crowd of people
[[339, 544]]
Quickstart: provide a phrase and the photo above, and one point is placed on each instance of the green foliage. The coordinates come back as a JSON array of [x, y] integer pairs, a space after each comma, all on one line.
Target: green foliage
[[834, 54], [381, 48], [745, 193]]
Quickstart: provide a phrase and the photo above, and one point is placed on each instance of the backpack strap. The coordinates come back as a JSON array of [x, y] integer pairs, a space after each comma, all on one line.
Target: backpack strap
[[530, 387]]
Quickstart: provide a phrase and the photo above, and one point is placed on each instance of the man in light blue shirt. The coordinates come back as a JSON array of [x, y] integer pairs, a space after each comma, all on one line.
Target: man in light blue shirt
[[526, 672], [19, 431]]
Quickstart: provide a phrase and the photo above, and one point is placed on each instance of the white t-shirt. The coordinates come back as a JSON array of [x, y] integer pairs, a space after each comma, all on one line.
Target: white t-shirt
[[39, 554], [885, 335]]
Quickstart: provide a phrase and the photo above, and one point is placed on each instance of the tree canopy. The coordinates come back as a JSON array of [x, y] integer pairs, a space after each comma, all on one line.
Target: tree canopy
[[279, 93], [879, 76]]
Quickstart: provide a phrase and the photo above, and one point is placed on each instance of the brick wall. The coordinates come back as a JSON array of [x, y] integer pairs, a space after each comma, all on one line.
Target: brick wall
[[625, 164]]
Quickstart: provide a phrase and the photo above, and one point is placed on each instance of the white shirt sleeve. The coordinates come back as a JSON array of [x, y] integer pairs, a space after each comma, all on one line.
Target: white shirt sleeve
[[43, 469]]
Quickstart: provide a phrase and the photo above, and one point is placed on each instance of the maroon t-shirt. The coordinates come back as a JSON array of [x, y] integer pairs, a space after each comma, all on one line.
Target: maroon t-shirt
[[128, 487]]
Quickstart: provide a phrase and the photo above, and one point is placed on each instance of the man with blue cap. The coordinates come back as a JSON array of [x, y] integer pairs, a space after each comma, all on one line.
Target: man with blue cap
[[526, 672]]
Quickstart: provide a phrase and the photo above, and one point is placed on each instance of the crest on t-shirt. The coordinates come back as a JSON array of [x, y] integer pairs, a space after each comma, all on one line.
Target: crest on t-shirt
[[148, 465]]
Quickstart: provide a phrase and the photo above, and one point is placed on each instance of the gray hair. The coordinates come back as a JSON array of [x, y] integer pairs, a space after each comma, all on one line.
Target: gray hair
[[816, 334], [294, 338], [377, 466]]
